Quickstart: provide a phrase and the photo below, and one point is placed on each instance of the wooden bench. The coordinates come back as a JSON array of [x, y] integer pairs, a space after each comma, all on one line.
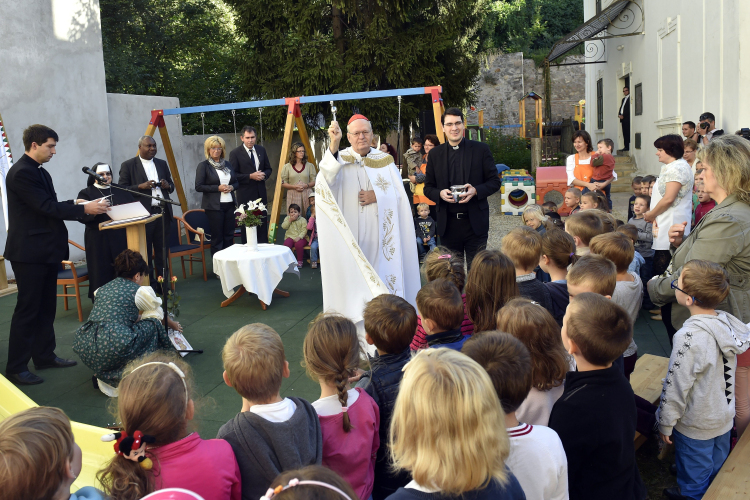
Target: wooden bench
[[733, 480], [646, 382]]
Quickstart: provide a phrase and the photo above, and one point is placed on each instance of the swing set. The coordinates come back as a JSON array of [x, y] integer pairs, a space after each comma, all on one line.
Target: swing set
[[293, 117]]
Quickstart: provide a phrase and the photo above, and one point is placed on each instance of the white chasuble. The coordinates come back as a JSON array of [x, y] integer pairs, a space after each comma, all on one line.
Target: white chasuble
[[364, 251]]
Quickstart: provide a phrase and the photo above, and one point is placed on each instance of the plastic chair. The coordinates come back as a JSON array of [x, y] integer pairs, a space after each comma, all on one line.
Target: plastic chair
[[72, 277], [178, 249]]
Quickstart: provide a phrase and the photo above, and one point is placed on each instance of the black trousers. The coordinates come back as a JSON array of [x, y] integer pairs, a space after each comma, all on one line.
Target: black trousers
[[461, 238], [32, 332], [222, 226], [262, 232], [626, 133], [154, 244]]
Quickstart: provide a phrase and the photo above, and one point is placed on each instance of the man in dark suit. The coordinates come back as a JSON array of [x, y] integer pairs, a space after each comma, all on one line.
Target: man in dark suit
[[252, 168], [37, 243], [150, 176], [624, 115], [465, 163]]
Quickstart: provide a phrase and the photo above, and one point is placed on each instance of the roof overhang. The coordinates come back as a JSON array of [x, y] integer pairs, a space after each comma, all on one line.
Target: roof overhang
[[614, 21]]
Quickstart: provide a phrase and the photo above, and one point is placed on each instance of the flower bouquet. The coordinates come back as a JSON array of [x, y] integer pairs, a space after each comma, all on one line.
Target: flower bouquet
[[251, 216], [178, 339]]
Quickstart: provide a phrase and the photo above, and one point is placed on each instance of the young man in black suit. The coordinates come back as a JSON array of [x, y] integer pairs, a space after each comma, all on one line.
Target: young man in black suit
[[150, 176], [37, 243], [624, 116], [469, 164], [252, 168]]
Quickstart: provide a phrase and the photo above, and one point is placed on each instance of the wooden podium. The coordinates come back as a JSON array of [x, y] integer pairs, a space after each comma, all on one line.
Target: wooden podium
[[136, 233]]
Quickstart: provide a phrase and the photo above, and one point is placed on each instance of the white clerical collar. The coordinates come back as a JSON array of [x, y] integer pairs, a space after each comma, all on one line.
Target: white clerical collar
[[145, 160]]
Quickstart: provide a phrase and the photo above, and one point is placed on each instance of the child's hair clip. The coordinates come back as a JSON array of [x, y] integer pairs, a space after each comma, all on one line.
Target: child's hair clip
[[272, 492], [444, 256], [131, 447]]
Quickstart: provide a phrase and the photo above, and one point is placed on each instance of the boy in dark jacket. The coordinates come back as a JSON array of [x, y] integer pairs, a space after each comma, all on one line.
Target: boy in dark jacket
[[390, 323], [596, 415], [523, 246], [271, 434]]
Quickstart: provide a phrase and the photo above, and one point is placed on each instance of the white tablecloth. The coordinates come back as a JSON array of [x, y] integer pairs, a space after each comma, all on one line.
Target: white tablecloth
[[259, 272]]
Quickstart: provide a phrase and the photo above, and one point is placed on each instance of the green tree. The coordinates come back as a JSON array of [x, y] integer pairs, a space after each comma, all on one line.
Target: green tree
[[319, 47], [530, 26], [178, 48]]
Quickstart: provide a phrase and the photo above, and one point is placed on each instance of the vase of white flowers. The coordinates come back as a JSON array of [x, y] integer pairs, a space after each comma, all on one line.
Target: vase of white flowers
[[251, 216]]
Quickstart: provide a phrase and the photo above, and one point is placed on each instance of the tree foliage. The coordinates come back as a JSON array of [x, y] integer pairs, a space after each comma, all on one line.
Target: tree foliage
[[318, 47], [178, 48], [531, 26]]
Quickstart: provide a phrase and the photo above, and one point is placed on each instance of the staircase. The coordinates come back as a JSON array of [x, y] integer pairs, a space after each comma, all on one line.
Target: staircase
[[626, 169]]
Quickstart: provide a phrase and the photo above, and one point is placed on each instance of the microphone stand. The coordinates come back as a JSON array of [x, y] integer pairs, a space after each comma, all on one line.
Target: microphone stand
[[165, 271]]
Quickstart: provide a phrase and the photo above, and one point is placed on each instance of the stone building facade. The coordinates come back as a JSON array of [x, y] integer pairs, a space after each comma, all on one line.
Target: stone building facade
[[508, 77]]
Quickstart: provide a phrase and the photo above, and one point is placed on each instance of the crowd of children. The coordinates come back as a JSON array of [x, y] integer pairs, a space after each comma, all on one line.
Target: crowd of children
[[508, 383]]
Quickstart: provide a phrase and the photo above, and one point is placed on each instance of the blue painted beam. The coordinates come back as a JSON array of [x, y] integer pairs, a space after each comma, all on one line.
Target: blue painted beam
[[303, 100]]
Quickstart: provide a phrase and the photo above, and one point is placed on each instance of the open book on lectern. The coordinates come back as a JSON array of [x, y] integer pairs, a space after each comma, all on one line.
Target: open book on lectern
[[128, 212]]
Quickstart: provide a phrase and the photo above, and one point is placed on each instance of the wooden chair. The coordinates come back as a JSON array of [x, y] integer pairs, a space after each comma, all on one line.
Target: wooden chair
[[196, 220], [72, 277], [178, 249], [646, 382]]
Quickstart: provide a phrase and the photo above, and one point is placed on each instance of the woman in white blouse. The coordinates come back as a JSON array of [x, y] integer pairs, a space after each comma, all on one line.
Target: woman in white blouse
[[671, 199], [215, 178]]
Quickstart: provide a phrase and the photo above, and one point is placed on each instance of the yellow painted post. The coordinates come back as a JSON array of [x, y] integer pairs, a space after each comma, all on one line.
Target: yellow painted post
[[173, 167], [157, 121], [522, 117], [480, 117], [286, 145], [305, 140]]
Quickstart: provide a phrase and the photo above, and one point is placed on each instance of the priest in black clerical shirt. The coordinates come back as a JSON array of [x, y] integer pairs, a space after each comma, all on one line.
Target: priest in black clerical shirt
[[464, 226], [37, 244]]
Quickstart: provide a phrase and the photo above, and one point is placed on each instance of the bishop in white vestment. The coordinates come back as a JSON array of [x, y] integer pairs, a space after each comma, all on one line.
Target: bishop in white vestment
[[365, 226]]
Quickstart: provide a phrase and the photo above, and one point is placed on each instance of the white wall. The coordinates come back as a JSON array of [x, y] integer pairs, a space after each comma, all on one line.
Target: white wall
[[52, 72], [689, 61]]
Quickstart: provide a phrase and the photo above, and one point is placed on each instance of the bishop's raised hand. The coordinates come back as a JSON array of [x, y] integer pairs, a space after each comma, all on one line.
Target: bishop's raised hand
[[334, 133]]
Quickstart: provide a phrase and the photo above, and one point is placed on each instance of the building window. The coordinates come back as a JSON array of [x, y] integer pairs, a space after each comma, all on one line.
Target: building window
[[600, 104], [639, 99]]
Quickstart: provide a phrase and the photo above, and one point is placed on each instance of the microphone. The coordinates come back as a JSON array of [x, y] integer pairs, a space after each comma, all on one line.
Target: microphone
[[87, 170]]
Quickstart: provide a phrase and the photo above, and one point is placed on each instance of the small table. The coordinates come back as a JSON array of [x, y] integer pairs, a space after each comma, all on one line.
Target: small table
[[255, 272]]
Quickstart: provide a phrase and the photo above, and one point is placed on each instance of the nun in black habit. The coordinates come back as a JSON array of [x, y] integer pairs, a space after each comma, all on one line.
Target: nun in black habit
[[102, 247]]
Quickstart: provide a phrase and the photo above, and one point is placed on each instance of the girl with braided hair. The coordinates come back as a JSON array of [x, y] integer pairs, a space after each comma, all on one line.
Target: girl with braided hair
[[349, 418]]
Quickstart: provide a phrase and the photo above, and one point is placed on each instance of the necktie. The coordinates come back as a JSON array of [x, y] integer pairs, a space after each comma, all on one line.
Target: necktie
[[251, 152]]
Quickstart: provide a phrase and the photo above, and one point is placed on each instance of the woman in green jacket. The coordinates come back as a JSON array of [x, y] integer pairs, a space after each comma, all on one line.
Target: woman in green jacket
[[722, 236]]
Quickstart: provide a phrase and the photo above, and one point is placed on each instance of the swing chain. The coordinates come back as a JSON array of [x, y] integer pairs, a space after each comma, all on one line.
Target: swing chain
[[260, 111], [234, 122], [398, 127], [203, 124]]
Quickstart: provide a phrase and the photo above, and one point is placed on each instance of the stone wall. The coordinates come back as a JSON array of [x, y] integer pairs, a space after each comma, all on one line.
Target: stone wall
[[508, 77]]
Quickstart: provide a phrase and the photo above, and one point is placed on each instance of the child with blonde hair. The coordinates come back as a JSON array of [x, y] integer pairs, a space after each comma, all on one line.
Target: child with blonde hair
[[558, 254], [523, 247], [618, 249], [491, 283], [443, 263], [533, 216], [271, 434], [448, 431], [349, 418], [156, 401], [583, 226], [40, 458], [537, 458], [535, 327], [426, 228]]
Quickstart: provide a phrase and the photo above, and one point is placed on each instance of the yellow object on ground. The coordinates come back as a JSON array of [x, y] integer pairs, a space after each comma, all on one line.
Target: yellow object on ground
[[95, 452]]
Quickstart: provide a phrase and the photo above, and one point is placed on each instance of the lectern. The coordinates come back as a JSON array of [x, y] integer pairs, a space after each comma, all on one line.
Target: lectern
[[136, 234]]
